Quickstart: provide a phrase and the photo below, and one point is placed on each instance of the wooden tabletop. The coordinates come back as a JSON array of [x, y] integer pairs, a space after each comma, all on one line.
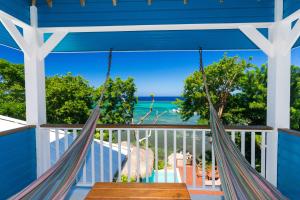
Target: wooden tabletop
[[114, 191]]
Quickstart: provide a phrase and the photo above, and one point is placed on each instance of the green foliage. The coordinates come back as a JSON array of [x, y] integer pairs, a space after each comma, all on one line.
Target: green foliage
[[69, 99], [12, 92], [124, 179], [118, 104], [246, 98], [253, 96], [223, 79], [295, 97], [160, 164]]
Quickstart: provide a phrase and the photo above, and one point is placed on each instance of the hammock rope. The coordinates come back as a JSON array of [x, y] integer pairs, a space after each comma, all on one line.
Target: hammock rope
[[239, 180], [57, 181]]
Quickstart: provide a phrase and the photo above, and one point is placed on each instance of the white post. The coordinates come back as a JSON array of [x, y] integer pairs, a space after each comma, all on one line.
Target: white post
[[34, 75], [35, 91], [278, 100]]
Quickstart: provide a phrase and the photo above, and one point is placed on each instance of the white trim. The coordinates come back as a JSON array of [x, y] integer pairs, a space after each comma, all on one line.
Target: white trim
[[292, 17], [15, 34], [14, 20], [161, 27], [33, 16], [138, 51], [278, 10], [294, 35], [10, 119], [259, 39], [50, 44]]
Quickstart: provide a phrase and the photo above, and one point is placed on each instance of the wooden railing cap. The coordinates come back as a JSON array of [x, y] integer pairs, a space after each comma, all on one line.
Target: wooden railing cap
[[16, 130], [158, 126]]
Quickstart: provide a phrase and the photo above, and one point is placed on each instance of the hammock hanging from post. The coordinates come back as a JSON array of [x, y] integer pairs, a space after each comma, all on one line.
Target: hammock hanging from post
[[57, 181], [239, 180]]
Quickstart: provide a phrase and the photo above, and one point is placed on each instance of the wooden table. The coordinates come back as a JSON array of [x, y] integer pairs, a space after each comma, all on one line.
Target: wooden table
[[109, 191]]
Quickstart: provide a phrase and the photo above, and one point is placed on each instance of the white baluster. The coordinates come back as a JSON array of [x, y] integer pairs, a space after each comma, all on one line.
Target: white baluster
[[166, 155], [128, 155], [66, 142], [175, 157], [57, 155], [110, 154], [147, 175], [156, 158], [74, 133], [84, 172], [213, 170], [184, 156], [119, 155], [194, 158], [243, 143], [253, 149], [203, 159], [93, 161], [101, 157], [263, 154], [233, 136], [138, 155]]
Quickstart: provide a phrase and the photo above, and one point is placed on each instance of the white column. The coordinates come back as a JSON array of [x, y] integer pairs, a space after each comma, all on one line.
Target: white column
[[35, 92], [278, 100], [34, 76]]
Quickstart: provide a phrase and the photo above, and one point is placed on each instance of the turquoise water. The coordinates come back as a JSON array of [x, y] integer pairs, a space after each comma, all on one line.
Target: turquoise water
[[170, 117], [161, 176]]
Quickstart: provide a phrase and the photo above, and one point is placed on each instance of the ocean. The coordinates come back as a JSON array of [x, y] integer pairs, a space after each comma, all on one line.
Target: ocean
[[161, 105]]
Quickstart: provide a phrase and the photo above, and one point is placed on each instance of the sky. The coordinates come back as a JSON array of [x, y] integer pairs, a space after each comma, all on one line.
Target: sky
[[161, 73]]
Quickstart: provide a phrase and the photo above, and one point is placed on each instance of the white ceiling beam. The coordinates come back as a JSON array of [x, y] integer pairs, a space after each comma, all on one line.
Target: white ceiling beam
[[16, 35], [294, 35], [172, 27], [292, 17], [51, 43], [14, 20], [258, 39], [278, 10]]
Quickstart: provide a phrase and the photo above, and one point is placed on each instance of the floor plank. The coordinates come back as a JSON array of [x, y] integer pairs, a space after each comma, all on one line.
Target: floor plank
[[155, 191]]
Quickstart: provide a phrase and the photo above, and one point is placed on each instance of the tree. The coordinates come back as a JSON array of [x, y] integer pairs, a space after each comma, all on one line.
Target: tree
[[295, 97], [69, 99], [223, 79], [118, 103], [253, 96], [12, 90]]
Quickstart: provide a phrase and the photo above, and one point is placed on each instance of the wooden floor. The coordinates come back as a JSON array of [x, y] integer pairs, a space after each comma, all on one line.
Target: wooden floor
[[155, 191]]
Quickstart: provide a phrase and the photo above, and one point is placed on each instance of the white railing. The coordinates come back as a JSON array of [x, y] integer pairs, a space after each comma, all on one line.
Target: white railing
[[156, 153]]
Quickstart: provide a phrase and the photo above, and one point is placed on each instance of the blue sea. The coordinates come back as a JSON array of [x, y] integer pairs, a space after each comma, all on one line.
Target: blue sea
[[161, 105]]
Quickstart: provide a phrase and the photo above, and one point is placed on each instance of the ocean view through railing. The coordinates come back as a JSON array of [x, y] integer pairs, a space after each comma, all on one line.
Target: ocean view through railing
[[156, 153]]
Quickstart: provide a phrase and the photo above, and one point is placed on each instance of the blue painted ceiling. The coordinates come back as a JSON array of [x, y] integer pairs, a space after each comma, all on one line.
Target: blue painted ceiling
[[137, 12], [129, 12]]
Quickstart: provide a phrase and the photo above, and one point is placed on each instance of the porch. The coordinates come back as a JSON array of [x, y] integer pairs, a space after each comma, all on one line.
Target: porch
[[102, 164], [272, 27]]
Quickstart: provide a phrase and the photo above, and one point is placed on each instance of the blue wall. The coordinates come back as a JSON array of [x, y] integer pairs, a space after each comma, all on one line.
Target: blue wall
[[17, 161], [289, 164]]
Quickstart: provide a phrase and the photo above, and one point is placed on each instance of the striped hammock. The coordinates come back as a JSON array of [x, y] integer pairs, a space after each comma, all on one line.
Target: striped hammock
[[239, 180], [56, 182]]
